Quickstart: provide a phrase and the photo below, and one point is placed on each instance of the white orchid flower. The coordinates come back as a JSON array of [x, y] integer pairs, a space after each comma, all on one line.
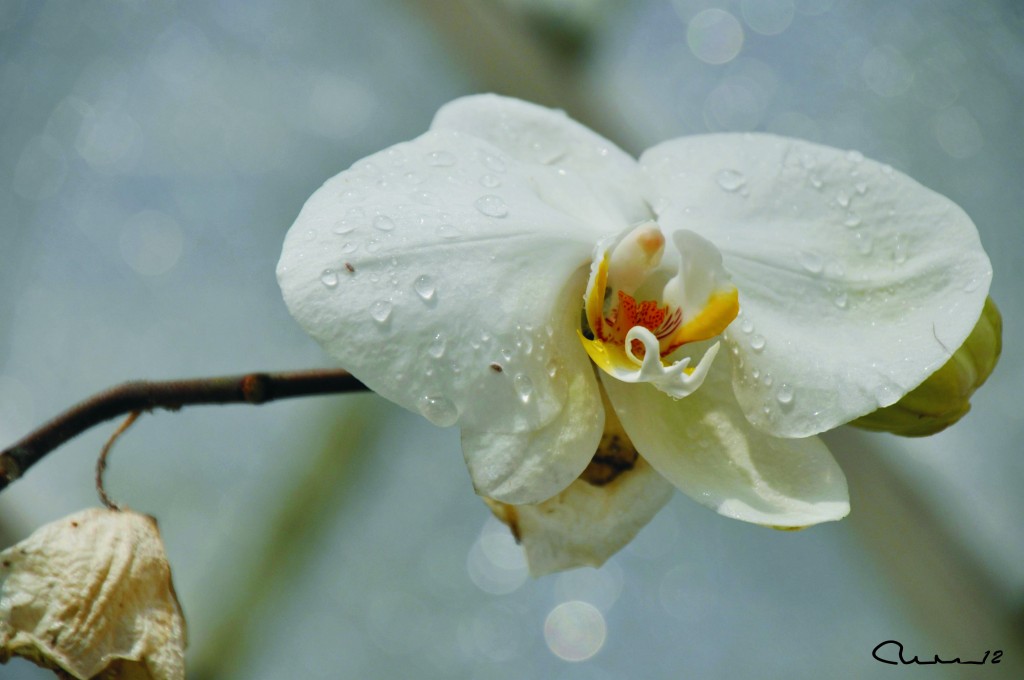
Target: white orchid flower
[[725, 299]]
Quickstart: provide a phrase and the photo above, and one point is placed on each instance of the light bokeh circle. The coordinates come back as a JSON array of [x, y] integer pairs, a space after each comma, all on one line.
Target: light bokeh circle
[[575, 630], [714, 36]]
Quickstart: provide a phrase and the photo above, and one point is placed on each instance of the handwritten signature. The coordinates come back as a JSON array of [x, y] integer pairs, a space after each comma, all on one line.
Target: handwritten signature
[[896, 648]]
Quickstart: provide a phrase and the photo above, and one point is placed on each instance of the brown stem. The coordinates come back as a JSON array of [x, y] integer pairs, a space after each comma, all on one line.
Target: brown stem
[[101, 462], [254, 388]]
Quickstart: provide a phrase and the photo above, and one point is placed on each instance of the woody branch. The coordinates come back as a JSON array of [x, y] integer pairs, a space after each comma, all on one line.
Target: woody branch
[[137, 396]]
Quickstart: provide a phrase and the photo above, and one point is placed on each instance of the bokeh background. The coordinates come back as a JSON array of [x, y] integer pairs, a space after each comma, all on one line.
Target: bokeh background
[[153, 154]]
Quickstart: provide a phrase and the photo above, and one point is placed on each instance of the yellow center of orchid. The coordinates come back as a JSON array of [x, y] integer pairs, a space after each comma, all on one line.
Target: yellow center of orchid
[[697, 303]]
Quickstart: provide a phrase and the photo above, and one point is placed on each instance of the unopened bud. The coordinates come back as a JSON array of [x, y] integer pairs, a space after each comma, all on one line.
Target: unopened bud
[[944, 397]]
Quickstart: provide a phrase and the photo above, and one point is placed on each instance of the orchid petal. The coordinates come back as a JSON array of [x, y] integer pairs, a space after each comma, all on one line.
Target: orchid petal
[[586, 524], [702, 288], [706, 447], [850, 274], [532, 466], [447, 297], [547, 137]]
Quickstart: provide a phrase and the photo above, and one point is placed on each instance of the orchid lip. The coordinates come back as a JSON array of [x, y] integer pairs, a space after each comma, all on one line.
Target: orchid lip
[[632, 339]]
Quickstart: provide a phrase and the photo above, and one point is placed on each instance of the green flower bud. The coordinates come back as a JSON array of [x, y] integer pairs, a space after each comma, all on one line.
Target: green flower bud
[[944, 397]]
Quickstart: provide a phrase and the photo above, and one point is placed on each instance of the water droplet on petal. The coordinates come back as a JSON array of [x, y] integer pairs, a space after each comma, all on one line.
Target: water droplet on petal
[[351, 196], [437, 346], [548, 150], [862, 188], [886, 169], [524, 386], [815, 180], [490, 181], [383, 222], [864, 244], [380, 311], [491, 205], [310, 235], [885, 395], [843, 199], [854, 156], [767, 380], [730, 180], [424, 287], [835, 269], [746, 325], [899, 251], [348, 223], [785, 394], [447, 231], [526, 345], [494, 163], [757, 342], [349, 247], [812, 262], [441, 159], [972, 285], [852, 220], [329, 278], [841, 300], [439, 410]]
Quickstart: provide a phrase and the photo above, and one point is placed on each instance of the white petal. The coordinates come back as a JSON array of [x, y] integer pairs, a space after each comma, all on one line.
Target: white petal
[[586, 524], [706, 447], [448, 297], [548, 137], [532, 466], [699, 275], [855, 281]]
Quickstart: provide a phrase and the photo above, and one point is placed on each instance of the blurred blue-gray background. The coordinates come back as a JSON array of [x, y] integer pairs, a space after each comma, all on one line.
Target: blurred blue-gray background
[[153, 154]]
